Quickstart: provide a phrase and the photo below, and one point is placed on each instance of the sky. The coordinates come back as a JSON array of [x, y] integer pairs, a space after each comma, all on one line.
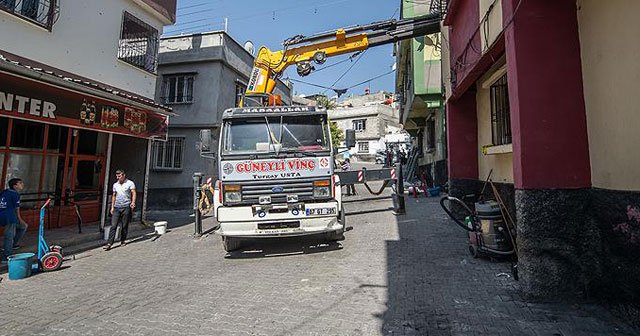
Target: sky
[[269, 23]]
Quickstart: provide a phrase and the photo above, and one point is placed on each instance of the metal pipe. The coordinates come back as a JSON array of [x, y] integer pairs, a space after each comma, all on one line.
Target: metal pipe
[[197, 191], [105, 191], [146, 182]]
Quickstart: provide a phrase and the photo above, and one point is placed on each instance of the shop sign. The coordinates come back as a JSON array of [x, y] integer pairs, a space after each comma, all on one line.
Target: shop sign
[[28, 99], [274, 168]]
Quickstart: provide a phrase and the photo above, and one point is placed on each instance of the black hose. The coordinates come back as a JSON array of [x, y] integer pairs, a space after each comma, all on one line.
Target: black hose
[[456, 200], [384, 185]]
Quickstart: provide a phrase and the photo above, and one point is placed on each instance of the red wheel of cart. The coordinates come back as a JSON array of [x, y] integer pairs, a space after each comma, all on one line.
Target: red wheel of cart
[[51, 261]]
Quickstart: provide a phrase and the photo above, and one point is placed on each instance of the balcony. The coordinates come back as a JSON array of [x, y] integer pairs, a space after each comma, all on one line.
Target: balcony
[[43, 13], [439, 6]]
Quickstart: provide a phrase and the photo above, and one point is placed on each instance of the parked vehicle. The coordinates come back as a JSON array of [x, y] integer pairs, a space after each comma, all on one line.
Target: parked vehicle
[[277, 175]]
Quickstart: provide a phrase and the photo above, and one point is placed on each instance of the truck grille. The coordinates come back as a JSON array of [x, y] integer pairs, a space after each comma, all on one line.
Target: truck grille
[[251, 190]]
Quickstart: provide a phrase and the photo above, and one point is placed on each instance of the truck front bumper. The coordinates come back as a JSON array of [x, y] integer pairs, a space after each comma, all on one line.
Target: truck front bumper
[[246, 222]]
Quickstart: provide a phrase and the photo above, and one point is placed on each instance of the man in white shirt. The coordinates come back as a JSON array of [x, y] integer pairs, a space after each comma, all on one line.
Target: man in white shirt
[[123, 201]]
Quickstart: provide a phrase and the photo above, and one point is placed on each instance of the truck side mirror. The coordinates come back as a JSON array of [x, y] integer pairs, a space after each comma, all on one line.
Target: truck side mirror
[[205, 140], [350, 138], [206, 144]]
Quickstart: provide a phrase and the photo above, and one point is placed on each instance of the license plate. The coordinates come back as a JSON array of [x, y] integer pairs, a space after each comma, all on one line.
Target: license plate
[[276, 231], [321, 211]]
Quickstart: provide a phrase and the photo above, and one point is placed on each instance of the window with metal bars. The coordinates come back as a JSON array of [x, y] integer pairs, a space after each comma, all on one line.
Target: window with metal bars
[[363, 147], [177, 88], [359, 125], [168, 155], [138, 43], [500, 115], [41, 12]]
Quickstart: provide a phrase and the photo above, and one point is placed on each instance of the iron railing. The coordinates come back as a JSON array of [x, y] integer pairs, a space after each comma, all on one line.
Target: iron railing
[[41, 12], [439, 7], [138, 44]]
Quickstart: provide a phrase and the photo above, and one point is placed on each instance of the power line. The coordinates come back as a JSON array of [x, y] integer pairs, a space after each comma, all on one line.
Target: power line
[[271, 11], [350, 58], [192, 29], [349, 69], [198, 12], [193, 6], [345, 89], [370, 79]]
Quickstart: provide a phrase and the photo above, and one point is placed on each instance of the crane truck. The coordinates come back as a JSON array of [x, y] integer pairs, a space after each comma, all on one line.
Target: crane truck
[[277, 175]]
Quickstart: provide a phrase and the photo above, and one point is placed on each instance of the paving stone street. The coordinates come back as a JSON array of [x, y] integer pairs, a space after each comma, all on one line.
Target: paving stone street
[[405, 275]]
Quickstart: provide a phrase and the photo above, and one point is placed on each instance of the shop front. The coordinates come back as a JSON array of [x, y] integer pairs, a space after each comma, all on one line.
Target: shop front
[[57, 134]]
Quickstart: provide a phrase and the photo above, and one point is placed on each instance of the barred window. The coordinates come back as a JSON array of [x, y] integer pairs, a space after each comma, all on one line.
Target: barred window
[[138, 43], [168, 155], [41, 12], [177, 88], [363, 147], [241, 88], [500, 114], [360, 125]]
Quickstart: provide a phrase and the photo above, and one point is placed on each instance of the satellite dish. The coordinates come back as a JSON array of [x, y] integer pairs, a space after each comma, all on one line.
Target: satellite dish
[[248, 46]]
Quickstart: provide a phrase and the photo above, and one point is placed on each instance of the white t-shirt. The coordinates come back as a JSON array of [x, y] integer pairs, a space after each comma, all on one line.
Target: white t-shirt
[[123, 193]]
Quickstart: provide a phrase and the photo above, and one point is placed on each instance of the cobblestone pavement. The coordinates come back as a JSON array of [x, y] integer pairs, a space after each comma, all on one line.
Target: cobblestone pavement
[[408, 275]]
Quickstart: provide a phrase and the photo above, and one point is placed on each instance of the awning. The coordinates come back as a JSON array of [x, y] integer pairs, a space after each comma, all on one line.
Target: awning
[[41, 95]]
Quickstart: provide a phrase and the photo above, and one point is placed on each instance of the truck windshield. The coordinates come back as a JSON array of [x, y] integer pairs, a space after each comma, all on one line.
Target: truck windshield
[[275, 134]]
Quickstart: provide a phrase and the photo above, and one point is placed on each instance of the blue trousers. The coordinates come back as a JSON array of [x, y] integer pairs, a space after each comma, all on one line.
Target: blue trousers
[[13, 232]]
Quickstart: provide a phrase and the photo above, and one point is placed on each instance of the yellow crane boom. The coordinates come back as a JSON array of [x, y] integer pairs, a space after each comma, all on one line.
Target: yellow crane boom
[[300, 50]]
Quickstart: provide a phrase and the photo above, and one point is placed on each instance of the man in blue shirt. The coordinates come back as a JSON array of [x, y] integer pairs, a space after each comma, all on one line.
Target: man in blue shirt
[[14, 225]]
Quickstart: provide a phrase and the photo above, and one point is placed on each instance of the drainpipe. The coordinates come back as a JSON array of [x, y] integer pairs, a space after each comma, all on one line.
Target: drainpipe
[[106, 191], [146, 183]]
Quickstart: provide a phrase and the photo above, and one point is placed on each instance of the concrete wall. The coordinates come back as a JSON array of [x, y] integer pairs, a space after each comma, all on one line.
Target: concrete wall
[[610, 77], [491, 21], [73, 46], [218, 63]]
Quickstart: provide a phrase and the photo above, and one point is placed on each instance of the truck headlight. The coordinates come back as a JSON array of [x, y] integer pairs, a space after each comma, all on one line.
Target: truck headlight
[[321, 188], [232, 193]]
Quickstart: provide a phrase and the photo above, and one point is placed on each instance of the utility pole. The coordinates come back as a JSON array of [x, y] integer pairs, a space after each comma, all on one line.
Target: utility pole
[[398, 197], [197, 191]]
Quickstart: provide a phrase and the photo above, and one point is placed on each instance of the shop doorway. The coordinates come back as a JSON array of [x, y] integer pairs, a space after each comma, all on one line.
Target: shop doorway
[[54, 160]]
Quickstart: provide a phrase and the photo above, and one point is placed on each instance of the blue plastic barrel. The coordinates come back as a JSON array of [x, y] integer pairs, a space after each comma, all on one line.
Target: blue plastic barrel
[[20, 265]]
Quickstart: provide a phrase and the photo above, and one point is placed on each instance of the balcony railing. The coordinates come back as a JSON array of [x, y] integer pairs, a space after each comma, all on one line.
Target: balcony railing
[[43, 13], [439, 7]]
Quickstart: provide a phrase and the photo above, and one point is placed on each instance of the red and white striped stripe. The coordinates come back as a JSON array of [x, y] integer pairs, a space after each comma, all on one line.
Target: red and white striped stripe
[[360, 176], [393, 174]]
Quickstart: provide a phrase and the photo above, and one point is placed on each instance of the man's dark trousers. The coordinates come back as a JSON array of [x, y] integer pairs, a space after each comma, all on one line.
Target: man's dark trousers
[[120, 217]]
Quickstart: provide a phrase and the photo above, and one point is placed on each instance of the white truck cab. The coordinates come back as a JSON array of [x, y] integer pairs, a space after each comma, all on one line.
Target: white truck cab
[[276, 175]]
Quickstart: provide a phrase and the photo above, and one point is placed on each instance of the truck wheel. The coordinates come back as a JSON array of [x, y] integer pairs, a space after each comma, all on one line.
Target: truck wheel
[[231, 244]]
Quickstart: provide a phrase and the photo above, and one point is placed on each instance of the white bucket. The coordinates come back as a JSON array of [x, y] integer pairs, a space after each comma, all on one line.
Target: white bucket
[[106, 233], [161, 227]]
